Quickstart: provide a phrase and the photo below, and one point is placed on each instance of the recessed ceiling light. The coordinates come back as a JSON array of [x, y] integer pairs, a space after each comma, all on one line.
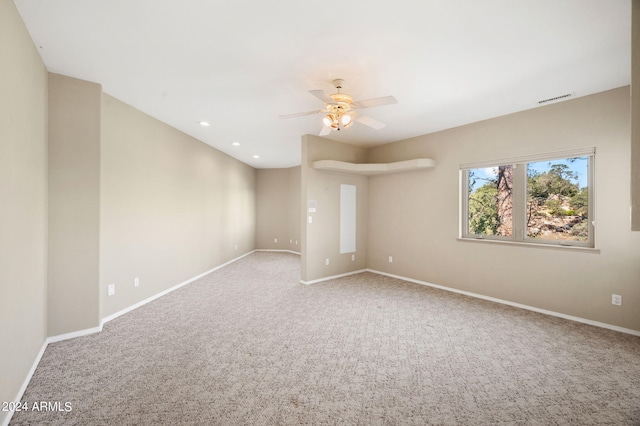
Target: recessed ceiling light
[[235, 143], [256, 156], [205, 123]]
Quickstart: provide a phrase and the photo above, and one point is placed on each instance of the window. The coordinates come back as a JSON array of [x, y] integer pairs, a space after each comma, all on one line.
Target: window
[[545, 199]]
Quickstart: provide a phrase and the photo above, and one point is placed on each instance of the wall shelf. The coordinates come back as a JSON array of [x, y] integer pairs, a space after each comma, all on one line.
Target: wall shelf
[[374, 168]]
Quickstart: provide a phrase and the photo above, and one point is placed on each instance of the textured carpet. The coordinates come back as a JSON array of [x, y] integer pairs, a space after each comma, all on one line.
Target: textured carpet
[[249, 345]]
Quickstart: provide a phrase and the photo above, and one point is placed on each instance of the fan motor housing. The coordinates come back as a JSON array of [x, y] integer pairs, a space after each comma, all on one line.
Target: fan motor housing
[[342, 98]]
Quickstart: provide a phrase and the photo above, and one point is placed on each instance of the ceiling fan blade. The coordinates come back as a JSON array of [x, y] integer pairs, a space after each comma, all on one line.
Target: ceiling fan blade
[[322, 96], [368, 121], [370, 103], [325, 131], [300, 114]]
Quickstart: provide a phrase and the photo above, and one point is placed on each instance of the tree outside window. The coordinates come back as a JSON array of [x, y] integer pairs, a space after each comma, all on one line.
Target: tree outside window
[[537, 201]]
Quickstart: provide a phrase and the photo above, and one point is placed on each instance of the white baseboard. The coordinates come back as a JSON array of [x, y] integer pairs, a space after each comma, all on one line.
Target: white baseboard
[[80, 333], [516, 305], [280, 251], [85, 332], [346, 274], [73, 335], [169, 290], [27, 379]]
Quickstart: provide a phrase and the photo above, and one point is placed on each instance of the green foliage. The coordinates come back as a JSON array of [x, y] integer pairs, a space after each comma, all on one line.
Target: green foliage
[[557, 181], [555, 208], [580, 202], [580, 231], [550, 189], [483, 210], [551, 195]]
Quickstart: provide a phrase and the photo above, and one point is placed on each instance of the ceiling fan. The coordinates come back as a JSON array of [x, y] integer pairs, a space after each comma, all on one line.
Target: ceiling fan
[[340, 110]]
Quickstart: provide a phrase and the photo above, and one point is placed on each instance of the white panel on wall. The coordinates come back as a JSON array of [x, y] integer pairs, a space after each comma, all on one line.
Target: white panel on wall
[[347, 218]]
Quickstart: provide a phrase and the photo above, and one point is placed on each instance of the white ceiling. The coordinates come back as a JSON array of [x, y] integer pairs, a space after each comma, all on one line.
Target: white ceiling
[[239, 64]]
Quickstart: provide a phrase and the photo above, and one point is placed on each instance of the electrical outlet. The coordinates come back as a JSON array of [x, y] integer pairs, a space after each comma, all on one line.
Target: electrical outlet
[[136, 282], [616, 299], [235, 247], [111, 289], [353, 257], [275, 240], [390, 259], [326, 261]]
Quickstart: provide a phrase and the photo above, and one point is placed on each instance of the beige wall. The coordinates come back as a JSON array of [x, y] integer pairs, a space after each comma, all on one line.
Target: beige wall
[[74, 204], [295, 192], [321, 239], [171, 207], [23, 211], [278, 209], [414, 216], [635, 114]]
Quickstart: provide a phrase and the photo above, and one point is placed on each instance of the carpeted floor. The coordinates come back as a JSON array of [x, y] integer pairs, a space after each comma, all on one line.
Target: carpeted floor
[[249, 345]]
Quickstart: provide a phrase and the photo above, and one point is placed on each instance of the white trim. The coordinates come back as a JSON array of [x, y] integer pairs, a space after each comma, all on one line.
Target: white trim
[[167, 291], [550, 246], [104, 320], [346, 274], [519, 198], [516, 305], [73, 335], [27, 379], [280, 251], [580, 152], [80, 333]]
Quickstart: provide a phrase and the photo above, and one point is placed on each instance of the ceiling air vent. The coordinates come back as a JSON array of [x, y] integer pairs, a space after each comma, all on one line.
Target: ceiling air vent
[[556, 98]]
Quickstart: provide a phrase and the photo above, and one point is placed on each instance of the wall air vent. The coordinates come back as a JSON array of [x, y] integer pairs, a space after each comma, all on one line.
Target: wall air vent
[[556, 98]]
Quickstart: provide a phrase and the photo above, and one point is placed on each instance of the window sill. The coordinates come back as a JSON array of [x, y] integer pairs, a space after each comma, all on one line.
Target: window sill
[[532, 245]]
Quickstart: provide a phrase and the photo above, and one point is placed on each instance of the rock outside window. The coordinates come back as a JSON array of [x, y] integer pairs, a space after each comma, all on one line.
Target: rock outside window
[[541, 199]]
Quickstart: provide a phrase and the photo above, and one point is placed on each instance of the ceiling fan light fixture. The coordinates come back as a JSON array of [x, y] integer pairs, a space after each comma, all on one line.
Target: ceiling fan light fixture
[[340, 111]]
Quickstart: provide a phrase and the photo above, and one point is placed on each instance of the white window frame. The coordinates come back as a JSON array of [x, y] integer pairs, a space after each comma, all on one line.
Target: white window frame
[[519, 200]]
